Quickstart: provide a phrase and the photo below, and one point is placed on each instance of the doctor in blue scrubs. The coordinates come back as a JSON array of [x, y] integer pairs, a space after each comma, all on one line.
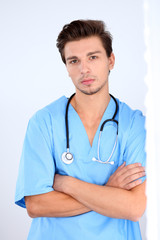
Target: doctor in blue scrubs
[[82, 169]]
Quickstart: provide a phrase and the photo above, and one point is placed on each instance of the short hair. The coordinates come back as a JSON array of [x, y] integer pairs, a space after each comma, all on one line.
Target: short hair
[[80, 29]]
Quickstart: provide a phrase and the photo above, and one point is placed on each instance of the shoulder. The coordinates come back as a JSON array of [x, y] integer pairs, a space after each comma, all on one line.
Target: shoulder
[[128, 117], [52, 110], [131, 123], [46, 119]]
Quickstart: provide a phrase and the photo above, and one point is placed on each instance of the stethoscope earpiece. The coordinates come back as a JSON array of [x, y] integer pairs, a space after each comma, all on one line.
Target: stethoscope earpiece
[[98, 160]]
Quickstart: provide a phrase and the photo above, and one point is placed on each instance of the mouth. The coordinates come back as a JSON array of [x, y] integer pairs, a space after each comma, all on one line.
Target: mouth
[[87, 81]]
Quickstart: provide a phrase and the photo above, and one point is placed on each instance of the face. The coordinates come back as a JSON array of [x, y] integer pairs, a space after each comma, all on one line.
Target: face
[[88, 65]]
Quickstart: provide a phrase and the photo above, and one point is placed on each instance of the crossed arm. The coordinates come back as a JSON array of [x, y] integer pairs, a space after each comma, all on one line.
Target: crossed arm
[[123, 196]]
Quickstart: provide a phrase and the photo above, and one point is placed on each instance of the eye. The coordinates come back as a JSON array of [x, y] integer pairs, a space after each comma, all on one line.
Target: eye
[[74, 61], [93, 57]]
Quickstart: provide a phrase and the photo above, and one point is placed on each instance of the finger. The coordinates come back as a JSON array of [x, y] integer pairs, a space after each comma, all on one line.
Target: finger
[[122, 170], [133, 177], [132, 171], [133, 165], [121, 166], [133, 184], [129, 170], [124, 178]]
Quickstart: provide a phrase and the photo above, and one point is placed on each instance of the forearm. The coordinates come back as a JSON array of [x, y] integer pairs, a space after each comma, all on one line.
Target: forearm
[[108, 201], [54, 204]]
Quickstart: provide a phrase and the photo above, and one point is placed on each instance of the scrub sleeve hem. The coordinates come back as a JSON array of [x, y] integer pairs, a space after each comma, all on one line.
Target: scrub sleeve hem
[[19, 199]]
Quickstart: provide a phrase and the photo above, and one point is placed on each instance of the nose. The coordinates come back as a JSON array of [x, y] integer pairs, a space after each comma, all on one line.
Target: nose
[[84, 67]]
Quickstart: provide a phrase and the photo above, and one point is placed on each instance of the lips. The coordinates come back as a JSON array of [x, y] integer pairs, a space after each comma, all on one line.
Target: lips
[[87, 81]]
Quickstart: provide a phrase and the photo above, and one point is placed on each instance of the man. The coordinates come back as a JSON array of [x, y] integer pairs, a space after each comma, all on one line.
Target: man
[[93, 188]]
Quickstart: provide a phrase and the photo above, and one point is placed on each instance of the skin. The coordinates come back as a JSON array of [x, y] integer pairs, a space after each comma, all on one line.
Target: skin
[[123, 196], [86, 60], [108, 201]]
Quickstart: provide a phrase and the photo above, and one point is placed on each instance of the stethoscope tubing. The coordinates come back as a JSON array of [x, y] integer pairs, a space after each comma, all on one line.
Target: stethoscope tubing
[[66, 121], [67, 157]]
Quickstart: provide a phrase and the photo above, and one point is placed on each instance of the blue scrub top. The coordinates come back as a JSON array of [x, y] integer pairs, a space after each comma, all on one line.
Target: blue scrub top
[[44, 143]]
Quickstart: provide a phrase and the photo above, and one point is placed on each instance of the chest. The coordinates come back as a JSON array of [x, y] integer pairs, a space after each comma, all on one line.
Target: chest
[[83, 144], [90, 128]]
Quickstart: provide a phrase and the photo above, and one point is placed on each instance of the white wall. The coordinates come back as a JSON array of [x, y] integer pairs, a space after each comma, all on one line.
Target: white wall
[[32, 75], [152, 56]]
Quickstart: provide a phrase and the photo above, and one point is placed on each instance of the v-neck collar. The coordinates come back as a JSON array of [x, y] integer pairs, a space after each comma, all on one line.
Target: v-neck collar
[[108, 113]]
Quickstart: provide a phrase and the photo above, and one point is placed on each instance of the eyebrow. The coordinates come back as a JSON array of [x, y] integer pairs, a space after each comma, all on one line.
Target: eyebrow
[[88, 54], [91, 53], [72, 57]]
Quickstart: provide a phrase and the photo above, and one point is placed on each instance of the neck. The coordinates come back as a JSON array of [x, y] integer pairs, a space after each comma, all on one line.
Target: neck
[[91, 107]]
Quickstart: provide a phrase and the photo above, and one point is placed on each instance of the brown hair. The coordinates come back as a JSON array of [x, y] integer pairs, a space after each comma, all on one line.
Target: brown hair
[[79, 29]]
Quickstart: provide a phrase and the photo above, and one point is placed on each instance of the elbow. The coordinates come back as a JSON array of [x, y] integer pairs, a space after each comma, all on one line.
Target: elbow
[[31, 213], [135, 217], [139, 214], [138, 211], [31, 208]]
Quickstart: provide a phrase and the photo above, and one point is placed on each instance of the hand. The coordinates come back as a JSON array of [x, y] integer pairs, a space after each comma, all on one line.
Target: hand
[[127, 177]]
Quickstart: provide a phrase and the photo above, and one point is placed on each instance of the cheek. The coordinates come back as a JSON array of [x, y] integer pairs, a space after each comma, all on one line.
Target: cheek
[[73, 73], [69, 72], [103, 72]]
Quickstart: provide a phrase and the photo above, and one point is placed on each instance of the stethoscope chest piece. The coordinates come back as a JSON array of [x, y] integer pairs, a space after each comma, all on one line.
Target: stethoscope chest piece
[[67, 157]]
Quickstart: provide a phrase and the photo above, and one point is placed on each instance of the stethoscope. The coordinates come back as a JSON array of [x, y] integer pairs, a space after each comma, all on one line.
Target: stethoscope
[[67, 157]]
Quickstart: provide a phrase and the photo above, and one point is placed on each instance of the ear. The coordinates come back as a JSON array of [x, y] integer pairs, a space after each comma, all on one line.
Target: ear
[[111, 61]]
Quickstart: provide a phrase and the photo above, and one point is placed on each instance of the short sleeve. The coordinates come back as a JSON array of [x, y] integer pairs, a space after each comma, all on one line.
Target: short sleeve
[[136, 139], [37, 168]]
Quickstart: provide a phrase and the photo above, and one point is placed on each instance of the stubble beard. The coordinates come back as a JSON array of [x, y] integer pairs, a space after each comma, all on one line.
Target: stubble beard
[[91, 91]]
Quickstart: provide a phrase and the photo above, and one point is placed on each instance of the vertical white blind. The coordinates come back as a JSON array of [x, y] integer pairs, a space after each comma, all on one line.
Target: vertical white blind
[[152, 79]]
